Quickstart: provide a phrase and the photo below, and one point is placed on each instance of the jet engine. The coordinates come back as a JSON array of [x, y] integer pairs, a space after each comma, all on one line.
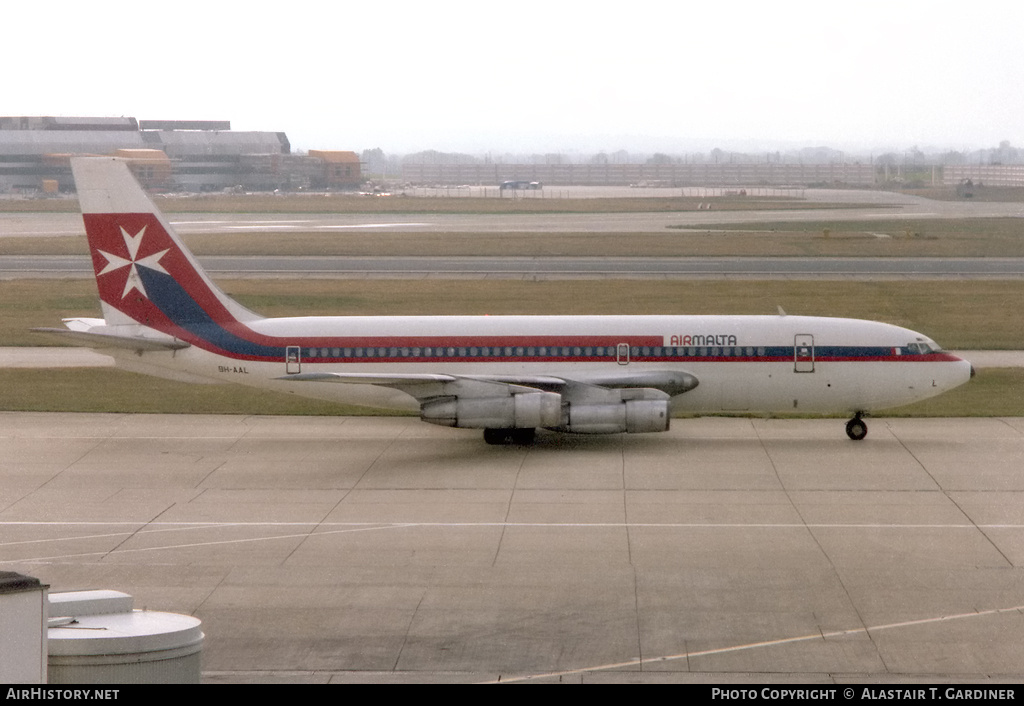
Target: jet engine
[[632, 416], [527, 410]]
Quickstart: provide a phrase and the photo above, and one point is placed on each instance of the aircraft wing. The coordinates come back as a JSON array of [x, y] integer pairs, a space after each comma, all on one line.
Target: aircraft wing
[[428, 385], [601, 403]]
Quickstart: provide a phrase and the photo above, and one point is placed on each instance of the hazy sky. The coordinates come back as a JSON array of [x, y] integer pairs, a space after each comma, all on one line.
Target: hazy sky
[[527, 76]]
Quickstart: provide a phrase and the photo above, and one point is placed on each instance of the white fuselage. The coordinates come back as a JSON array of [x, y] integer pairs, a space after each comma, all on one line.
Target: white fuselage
[[743, 363]]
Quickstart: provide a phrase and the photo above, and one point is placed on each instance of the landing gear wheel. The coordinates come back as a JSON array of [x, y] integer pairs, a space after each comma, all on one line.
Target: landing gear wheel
[[856, 428], [509, 437]]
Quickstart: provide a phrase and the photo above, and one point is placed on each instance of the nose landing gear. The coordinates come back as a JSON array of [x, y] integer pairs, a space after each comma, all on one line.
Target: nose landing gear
[[857, 428]]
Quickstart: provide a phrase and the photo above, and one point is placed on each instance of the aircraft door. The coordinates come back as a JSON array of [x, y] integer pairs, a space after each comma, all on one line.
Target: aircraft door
[[622, 353], [292, 360], [803, 353]]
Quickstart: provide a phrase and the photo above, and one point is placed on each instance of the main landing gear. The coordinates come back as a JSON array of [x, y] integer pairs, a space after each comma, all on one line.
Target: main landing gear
[[857, 428], [509, 437]]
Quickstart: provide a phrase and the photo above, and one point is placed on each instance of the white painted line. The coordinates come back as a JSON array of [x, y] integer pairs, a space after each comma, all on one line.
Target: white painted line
[[757, 645], [143, 528]]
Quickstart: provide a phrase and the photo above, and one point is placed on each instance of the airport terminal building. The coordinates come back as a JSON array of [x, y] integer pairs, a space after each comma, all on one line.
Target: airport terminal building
[[166, 155]]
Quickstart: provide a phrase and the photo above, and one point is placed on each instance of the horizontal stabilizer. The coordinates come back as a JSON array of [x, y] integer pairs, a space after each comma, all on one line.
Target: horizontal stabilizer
[[108, 340]]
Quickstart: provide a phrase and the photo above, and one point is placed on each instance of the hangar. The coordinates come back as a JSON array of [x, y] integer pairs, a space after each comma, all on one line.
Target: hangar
[[166, 155]]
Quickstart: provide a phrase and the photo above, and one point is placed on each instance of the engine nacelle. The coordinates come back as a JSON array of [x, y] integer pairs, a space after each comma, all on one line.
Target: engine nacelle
[[631, 416], [528, 410]]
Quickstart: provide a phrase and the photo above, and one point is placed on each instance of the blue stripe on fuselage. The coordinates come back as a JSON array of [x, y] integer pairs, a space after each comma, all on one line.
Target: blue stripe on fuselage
[[178, 306]]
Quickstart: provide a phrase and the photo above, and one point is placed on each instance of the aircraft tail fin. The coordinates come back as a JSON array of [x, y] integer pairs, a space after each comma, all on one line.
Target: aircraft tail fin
[[144, 272]]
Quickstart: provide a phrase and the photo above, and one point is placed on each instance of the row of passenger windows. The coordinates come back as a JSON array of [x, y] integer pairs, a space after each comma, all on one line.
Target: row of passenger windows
[[534, 352]]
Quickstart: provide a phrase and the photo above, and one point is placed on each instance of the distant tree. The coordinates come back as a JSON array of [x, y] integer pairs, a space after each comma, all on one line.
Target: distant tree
[[819, 155], [435, 157], [1006, 154], [374, 161], [952, 157]]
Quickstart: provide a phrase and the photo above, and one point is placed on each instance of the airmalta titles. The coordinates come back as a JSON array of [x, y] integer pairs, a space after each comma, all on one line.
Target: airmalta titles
[[720, 339]]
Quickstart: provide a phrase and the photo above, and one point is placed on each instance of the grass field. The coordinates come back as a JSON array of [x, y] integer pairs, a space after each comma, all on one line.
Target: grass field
[[351, 203]]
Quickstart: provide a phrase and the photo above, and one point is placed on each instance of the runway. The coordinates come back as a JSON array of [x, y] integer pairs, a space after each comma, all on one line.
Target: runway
[[514, 267], [386, 550], [866, 206], [831, 205]]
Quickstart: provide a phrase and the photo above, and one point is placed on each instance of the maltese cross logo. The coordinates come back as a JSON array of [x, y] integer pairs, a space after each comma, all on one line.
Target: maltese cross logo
[[152, 262]]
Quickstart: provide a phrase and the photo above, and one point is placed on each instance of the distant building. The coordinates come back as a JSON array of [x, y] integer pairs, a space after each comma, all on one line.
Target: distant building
[[338, 170], [172, 155], [984, 175], [672, 174]]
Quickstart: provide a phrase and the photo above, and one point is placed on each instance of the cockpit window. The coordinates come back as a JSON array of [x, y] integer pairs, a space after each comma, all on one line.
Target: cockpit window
[[922, 348]]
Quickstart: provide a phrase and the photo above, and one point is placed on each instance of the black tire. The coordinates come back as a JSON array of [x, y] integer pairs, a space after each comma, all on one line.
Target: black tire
[[509, 437], [856, 429]]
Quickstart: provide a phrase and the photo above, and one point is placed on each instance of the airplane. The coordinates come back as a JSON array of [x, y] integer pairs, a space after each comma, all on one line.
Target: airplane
[[506, 375]]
